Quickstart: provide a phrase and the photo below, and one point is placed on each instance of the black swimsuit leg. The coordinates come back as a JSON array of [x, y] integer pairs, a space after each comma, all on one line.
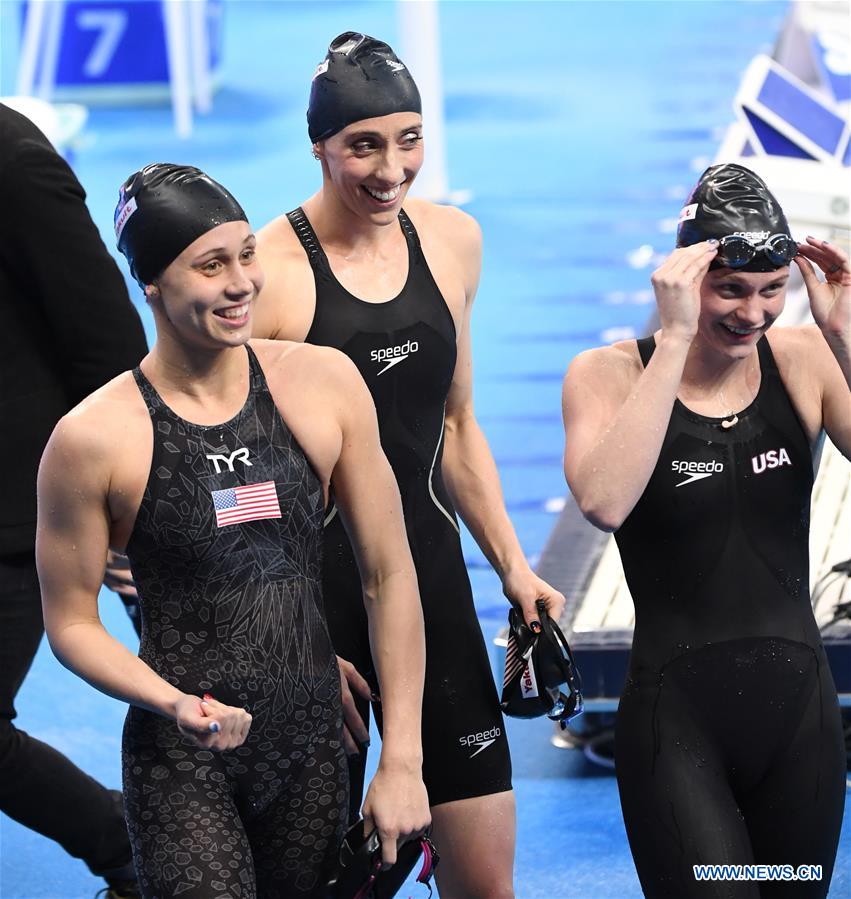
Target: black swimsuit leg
[[678, 807], [188, 839], [795, 814], [295, 841]]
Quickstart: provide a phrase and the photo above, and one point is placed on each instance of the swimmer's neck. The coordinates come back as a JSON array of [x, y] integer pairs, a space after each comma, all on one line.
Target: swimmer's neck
[[207, 377], [336, 226], [706, 369]]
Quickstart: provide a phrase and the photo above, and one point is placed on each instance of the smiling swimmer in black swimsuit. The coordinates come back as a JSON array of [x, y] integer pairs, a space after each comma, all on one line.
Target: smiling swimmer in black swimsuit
[[696, 447], [211, 464], [390, 281]]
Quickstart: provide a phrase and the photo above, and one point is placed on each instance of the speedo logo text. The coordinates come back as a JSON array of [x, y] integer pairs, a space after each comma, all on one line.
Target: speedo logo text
[[696, 471], [480, 741], [393, 355]]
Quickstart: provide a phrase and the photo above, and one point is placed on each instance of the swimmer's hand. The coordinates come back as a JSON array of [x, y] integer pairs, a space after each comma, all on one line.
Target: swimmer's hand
[[118, 576], [396, 805], [830, 300], [524, 589], [355, 732], [676, 284], [210, 724]]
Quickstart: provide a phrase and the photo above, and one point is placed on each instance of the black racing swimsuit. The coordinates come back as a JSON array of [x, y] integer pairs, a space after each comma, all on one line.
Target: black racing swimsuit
[[227, 553], [405, 350], [728, 742]]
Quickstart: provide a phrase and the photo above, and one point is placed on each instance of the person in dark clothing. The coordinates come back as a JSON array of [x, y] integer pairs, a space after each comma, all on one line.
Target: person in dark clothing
[[696, 446], [68, 327]]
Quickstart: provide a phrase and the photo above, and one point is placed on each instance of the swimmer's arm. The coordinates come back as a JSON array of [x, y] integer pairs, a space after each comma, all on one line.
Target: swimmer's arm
[[71, 546], [367, 496], [615, 420], [829, 296], [368, 500], [833, 382], [616, 413], [469, 469]]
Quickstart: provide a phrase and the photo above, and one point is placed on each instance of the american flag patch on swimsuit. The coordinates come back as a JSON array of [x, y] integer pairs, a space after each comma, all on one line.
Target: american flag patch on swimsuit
[[251, 502]]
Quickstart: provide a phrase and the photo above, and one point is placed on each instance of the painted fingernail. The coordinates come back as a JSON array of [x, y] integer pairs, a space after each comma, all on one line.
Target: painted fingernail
[[375, 697], [536, 627], [712, 242], [214, 727], [207, 697]]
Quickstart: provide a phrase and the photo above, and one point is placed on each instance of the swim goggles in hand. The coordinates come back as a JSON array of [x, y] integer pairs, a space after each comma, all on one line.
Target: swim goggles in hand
[[537, 666], [359, 874], [736, 251]]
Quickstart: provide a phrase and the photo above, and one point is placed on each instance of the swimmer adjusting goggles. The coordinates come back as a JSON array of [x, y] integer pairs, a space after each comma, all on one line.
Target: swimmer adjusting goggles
[[736, 251], [537, 666], [359, 874]]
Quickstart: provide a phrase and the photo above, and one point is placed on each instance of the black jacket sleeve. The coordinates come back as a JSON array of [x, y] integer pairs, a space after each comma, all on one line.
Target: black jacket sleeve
[[68, 323], [91, 324]]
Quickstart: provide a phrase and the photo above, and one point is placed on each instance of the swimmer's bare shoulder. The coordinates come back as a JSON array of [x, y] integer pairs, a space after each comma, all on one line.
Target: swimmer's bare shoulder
[[455, 231], [284, 309], [452, 243], [100, 453], [809, 371], [603, 377], [318, 391]]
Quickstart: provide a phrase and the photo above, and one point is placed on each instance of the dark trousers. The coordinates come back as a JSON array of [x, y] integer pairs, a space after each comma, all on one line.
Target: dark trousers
[[39, 787]]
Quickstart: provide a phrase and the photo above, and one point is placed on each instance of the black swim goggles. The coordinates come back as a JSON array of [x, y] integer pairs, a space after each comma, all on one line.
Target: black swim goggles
[[736, 251], [537, 666], [359, 874]]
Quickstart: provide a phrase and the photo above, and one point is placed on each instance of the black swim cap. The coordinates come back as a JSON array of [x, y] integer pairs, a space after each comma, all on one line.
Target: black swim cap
[[360, 78], [732, 201], [162, 209]]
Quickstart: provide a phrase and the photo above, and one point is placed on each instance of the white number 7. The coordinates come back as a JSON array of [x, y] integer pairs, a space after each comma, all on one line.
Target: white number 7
[[111, 23]]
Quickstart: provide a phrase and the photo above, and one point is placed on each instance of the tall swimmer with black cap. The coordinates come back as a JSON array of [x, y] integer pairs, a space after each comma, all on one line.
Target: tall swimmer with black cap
[[211, 465], [696, 447], [390, 281]]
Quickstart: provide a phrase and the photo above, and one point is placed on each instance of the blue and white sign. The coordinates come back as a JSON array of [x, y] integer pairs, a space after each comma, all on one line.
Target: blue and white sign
[[786, 117], [115, 50]]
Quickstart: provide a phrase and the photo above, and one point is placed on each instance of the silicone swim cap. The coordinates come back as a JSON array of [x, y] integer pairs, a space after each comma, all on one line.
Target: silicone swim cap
[[360, 78], [730, 201], [162, 209]]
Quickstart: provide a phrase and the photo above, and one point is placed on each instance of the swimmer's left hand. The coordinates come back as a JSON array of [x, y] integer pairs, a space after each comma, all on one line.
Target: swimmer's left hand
[[830, 300], [524, 589], [396, 805]]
